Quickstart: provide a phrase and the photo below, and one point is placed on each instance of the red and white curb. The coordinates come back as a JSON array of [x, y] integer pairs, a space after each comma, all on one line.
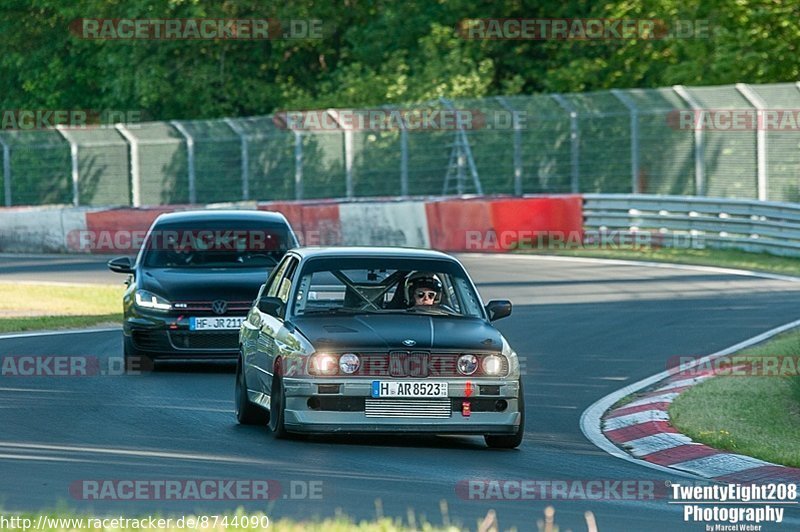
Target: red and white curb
[[640, 431]]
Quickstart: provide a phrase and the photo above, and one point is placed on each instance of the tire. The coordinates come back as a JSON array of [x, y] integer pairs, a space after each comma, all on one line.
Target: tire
[[136, 362], [277, 407], [511, 441], [247, 413]]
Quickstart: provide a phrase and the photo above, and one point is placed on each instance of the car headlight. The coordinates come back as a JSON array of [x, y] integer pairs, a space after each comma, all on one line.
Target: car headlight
[[467, 364], [323, 364], [149, 300], [492, 365], [349, 363]]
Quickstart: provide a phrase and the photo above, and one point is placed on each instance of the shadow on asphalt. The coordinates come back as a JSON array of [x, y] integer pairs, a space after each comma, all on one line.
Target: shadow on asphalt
[[193, 367]]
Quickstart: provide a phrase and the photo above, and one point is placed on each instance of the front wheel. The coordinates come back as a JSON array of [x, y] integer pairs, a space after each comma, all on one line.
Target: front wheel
[[514, 440], [276, 409], [247, 413], [136, 362]]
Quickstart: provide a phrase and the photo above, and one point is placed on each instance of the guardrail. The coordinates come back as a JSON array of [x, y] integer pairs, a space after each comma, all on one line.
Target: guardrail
[[750, 225]]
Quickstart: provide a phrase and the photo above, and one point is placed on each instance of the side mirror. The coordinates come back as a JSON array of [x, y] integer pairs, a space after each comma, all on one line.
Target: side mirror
[[498, 308], [120, 265], [271, 305]]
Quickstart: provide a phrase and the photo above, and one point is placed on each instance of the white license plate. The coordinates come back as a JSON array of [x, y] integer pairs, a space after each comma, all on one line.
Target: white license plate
[[409, 389], [215, 324]]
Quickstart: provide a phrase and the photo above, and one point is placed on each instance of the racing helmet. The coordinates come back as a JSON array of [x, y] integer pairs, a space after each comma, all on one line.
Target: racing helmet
[[421, 280]]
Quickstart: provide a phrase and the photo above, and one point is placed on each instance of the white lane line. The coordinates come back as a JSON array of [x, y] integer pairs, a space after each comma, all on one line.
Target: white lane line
[[36, 391], [128, 452], [650, 264], [590, 419], [40, 458], [61, 283], [8, 336]]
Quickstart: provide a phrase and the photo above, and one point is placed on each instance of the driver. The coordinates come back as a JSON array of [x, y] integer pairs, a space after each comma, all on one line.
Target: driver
[[426, 291]]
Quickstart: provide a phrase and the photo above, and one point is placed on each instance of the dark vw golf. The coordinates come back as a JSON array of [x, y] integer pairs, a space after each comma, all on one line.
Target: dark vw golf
[[377, 340], [194, 281]]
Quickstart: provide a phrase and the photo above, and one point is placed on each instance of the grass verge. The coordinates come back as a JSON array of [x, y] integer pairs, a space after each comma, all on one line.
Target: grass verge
[[32, 306], [723, 258], [758, 416]]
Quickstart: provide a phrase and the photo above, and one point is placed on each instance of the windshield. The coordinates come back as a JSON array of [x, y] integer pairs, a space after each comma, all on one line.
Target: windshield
[[217, 244], [389, 285]]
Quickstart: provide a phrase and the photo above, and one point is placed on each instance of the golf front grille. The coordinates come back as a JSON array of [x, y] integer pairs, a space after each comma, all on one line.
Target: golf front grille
[[416, 408]]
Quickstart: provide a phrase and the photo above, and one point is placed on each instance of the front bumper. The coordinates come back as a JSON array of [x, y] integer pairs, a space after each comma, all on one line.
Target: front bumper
[[347, 415], [170, 337]]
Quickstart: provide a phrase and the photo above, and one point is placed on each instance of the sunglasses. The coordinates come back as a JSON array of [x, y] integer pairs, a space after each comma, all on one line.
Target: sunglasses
[[426, 295]]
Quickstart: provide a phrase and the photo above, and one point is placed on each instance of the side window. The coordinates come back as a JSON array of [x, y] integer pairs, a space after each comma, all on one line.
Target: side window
[[285, 286], [277, 276]]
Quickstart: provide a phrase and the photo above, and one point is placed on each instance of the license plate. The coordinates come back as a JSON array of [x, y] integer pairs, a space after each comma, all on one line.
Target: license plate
[[215, 324], [409, 389]]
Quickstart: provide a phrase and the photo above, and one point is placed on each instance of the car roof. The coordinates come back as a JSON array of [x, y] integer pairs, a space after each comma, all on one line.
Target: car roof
[[370, 251], [199, 215]]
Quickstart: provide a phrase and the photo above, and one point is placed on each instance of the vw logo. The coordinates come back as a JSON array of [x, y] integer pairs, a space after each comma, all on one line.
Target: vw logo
[[219, 306], [409, 343]]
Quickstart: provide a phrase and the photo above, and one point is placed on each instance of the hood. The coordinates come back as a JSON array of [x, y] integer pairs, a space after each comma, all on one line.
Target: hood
[[184, 284], [387, 331]]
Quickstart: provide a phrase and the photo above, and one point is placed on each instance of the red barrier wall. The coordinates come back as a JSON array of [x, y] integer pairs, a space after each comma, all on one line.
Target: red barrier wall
[[503, 224], [479, 224], [451, 222], [115, 231]]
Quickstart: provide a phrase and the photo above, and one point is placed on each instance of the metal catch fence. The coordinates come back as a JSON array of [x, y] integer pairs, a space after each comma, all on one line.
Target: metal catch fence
[[733, 141]]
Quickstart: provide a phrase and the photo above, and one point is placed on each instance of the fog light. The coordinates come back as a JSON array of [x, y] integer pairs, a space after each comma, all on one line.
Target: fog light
[[501, 405], [467, 364], [313, 403]]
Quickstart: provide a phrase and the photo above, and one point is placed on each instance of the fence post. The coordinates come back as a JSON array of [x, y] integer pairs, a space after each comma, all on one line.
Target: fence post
[[463, 153], [245, 157], [348, 153], [6, 171], [517, 145], [403, 159], [699, 148], [73, 150], [136, 172], [298, 165], [189, 159], [574, 135], [631, 105], [761, 138]]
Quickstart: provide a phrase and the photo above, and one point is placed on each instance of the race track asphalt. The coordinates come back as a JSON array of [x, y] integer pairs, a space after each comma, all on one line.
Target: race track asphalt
[[583, 330]]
